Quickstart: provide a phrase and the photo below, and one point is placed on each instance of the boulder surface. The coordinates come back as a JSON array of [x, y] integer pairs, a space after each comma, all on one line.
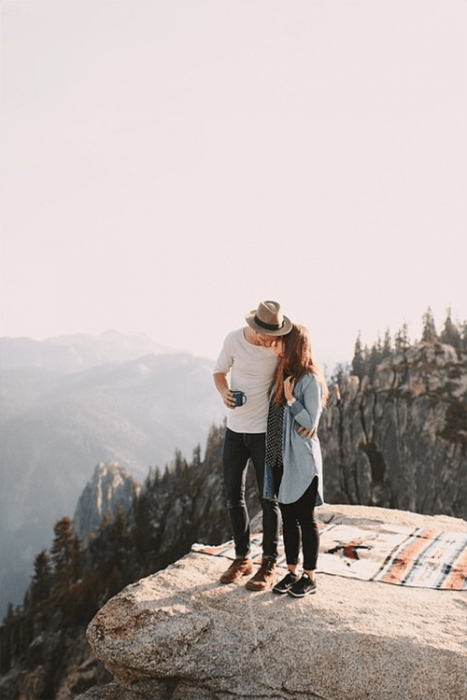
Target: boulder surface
[[180, 634]]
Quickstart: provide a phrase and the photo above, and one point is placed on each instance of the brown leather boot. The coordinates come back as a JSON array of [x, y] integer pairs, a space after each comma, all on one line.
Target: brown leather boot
[[265, 577], [237, 569]]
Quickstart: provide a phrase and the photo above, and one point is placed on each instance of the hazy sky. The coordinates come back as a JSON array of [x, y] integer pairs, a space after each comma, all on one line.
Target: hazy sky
[[167, 164]]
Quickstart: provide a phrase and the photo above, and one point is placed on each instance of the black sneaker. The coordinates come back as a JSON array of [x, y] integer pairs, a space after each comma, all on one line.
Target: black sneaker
[[302, 587], [286, 583]]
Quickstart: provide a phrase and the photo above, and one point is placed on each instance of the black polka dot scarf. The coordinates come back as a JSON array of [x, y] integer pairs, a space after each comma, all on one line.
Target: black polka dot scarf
[[274, 435]]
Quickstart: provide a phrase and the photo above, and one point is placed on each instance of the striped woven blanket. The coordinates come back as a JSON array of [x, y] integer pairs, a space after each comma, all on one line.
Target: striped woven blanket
[[399, 555]]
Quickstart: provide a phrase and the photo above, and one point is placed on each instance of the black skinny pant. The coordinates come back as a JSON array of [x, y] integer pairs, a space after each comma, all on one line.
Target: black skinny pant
[[238, 449], [299, 517]]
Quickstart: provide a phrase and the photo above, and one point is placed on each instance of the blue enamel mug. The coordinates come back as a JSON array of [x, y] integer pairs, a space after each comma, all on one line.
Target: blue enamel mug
[[240, 398]]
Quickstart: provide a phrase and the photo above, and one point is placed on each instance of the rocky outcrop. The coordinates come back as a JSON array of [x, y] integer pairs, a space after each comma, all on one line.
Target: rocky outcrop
[[398, 438], [180, 634], [112, 486]]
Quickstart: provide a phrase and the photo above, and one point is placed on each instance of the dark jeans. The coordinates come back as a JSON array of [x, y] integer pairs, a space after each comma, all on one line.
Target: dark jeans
[[300, 516], [238, 449]]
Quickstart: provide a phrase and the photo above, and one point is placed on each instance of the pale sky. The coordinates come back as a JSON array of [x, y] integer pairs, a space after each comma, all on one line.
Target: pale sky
[[167, 164]]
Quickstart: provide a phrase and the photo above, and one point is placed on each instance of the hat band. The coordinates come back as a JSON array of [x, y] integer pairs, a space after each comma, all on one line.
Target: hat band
[[269, 326]]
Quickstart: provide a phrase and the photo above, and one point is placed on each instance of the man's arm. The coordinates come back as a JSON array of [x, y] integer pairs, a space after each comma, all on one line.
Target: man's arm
[[220, 380], [304, 433]]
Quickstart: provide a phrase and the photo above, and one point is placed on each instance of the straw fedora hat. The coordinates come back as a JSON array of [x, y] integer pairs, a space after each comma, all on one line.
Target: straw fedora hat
[[269, 319]]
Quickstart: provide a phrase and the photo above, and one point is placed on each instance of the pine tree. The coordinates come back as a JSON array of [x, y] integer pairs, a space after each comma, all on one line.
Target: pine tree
[[463, 331], [214, 445], [387, 345], [122, 535], [429, 334], [358, 362], [121, 524], [65, 553], [196, 461], [402, 341], [181, 473], [42, 578], [142, 534], [77, 557], [150, 478], [373, 360], [450, 333]]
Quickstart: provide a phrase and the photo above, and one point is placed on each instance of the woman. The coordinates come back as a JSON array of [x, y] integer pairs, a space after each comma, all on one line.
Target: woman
[[293, 463]]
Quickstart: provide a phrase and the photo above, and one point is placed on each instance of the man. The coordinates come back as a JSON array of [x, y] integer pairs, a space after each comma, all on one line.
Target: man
[[250, 356]]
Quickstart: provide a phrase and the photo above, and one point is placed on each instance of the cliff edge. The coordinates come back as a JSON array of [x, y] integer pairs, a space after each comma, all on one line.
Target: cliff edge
[[179, 634], [396, 437]]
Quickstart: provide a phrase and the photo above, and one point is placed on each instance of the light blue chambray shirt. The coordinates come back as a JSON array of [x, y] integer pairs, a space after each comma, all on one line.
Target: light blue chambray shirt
[[301, 456]]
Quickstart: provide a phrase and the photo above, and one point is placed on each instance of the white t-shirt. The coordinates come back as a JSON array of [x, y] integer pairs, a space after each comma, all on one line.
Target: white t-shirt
[[251, 370]]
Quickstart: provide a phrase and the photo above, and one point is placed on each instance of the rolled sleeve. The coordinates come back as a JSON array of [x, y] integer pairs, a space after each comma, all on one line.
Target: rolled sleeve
[[306, 409], [224, 361]]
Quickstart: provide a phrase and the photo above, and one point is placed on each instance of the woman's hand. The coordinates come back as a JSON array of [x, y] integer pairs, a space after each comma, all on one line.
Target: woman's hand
[[289, 384], [305, 433]]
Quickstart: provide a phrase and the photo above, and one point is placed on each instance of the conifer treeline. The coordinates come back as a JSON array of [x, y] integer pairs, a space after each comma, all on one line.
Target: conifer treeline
[[366, 360], [73, 580]]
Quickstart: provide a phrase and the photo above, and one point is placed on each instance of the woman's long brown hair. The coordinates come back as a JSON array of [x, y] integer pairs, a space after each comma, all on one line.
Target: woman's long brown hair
[[295, 361]]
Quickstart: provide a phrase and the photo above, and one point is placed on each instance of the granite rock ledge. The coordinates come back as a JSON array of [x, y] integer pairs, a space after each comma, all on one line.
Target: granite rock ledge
[[179, 634]]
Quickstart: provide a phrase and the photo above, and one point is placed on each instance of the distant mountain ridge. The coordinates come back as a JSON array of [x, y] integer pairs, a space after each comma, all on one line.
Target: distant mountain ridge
[[74, 353], [56, 425]]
